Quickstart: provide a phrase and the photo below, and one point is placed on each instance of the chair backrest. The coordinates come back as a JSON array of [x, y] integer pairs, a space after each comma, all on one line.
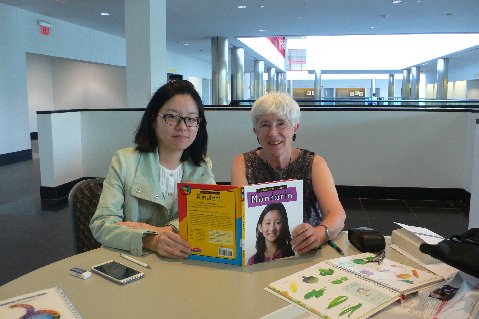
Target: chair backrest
[[82, 202]]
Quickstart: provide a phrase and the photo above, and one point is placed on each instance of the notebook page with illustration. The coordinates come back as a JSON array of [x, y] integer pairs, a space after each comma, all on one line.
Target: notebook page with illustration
[[329, 292], [47, 303], [400, 277]]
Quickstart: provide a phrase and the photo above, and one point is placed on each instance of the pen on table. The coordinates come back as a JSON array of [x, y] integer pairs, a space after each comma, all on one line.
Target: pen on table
[[333, 244], [133, 260]]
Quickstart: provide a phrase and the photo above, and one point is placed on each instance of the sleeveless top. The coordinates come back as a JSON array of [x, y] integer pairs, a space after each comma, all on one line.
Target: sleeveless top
[[258, 171]]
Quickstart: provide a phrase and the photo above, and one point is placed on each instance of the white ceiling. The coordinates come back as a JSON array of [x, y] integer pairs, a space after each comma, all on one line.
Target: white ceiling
[[196, 21]]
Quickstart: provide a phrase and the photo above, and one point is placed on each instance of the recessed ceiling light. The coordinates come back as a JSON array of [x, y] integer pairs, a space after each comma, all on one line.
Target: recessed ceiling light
[[241, 7], [373, 27], [397, 1], [186, 44], [261, 30], [261, 6], [104, 14], [300, 17]]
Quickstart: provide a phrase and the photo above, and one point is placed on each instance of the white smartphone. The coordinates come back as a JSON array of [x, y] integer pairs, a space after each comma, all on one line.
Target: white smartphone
[[117, 272]]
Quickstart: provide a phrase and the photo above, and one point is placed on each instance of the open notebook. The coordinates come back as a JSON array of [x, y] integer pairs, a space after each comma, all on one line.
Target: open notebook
[[47, 303], [351, 287]]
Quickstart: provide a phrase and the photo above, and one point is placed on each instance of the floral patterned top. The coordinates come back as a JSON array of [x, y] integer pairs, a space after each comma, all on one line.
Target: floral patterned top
[[259, 171]]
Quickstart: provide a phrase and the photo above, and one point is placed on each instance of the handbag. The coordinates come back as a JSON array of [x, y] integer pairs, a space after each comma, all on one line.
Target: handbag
[[459, 251]]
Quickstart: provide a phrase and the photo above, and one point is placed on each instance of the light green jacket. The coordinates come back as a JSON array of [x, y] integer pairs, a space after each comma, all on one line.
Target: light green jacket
[[132, 192]]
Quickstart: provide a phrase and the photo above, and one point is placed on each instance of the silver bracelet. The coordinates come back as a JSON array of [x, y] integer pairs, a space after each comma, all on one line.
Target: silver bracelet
[[328, 237]]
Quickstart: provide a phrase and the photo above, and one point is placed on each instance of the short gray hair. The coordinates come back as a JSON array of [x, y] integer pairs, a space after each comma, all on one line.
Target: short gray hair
[[276, 103]]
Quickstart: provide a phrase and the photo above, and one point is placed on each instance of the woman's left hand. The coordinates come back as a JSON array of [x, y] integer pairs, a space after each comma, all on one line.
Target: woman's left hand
[[305, 238]]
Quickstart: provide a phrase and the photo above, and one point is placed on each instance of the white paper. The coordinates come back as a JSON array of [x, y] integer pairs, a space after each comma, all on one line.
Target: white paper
[[425, 234]]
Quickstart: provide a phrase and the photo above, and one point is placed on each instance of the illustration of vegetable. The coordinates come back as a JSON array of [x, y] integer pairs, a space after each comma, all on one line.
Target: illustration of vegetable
[[362, 261], [310, 279], [326, 272], [337, 301], [350, 310], [314, 293], [403, 276], [293, 286], [340, 280], [415, 273]]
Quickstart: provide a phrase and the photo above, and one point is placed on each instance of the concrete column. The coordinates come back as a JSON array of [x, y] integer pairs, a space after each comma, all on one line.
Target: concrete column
[[415, 79], [442, 71], [145, 35], [219, 61], [474, 202], [283, 84], [272, 85], [391, 86], [317, 85], [373, 86], [237, 74], [289, 89], [405, 90], [258, 79]]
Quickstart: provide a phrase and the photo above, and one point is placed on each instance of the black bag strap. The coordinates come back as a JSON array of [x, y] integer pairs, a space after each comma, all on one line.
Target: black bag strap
[[469, 237]]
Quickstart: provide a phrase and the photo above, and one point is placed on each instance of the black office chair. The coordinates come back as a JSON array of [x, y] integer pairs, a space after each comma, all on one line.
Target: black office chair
[[82, 202]]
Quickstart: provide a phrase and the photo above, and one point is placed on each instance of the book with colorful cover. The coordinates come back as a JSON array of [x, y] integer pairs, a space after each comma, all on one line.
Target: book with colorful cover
[[351, 287], [47, 303], [222, 222]]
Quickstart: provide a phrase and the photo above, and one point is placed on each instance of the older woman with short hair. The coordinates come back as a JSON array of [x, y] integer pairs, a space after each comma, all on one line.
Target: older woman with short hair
[[276, 121]]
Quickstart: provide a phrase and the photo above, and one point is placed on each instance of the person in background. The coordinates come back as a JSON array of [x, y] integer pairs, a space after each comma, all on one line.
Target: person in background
[[272, 235], [276, 123], [137, 210]]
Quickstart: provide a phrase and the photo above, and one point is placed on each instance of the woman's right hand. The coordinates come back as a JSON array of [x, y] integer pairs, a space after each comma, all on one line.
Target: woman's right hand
[[167, 243]]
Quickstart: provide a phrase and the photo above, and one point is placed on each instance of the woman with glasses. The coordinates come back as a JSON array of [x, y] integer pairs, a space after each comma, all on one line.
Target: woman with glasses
[[276, 118], [138, 209]]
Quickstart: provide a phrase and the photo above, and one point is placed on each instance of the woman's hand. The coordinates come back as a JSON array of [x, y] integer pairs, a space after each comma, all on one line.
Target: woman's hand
[[165, 242], [305, 238]]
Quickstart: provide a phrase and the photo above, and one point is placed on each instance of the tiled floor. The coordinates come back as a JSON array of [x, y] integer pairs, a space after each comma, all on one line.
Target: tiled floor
[[32, 236]]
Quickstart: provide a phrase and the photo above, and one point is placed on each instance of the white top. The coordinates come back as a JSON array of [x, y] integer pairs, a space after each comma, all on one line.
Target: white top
[[168, 180]]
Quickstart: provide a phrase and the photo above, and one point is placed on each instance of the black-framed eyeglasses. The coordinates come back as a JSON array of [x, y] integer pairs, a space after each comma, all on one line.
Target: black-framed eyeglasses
[[174, 120]]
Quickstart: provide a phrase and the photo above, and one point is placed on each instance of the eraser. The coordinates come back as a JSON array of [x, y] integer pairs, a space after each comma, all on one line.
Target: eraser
[[80, 273]]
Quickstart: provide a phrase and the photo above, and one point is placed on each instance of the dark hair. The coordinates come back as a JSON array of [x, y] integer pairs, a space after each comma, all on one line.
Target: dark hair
[[284, 238], [145, 137]]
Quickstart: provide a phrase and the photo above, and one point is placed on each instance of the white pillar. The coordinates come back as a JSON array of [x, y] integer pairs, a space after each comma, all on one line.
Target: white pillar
[[219, 61], [406, 84], [258, 79], [273, 82], [145, 34], [317, 85], [237, 74], [442, 78], [474, 203], [415, 79]]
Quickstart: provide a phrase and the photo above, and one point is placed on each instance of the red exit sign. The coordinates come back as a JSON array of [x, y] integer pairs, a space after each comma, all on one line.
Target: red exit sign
[[44, 27]]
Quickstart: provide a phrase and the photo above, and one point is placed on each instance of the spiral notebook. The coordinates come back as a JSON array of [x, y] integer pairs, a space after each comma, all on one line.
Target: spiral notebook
[[47, 303], [351, 287]]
